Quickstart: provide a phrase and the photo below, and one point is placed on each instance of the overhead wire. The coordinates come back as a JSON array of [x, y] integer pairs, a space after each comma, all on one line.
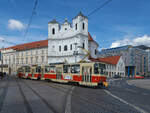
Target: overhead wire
[[95, 10], [30, 19], [100, 7]]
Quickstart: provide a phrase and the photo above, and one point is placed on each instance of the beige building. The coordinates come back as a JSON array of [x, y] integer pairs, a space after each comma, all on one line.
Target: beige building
[[24, 54], [114, 65]]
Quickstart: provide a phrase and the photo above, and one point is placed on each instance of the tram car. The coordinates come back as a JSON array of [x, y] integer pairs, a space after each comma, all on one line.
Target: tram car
[[88, 74]]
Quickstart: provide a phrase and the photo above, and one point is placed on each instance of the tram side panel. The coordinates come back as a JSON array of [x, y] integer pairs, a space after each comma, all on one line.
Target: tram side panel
[[49, 72]]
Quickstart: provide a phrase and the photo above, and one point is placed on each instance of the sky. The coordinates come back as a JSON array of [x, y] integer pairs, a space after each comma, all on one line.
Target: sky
[[119, 23]]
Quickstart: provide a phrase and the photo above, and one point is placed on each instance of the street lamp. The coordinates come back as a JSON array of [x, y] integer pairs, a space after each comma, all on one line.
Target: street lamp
[[75, 53]]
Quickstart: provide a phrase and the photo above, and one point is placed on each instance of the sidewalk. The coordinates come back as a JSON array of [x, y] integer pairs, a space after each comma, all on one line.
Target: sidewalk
[[141, 83]]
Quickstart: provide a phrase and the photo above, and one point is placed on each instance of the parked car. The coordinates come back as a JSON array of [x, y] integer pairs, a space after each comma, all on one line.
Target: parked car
[[116, 76], [139, 76]]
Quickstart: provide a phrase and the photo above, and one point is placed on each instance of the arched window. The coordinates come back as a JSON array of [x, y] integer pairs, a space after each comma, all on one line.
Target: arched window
[[65, 48], [59, 48], [76, 26], [83, 45], [95, 51], [71, 47], [83, 26], [53, 31]]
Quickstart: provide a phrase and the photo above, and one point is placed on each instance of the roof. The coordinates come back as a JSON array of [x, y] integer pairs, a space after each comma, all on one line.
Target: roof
[[144, 47], [37, 44], [90, 37], [53, 21], [109, 60], [31, 45], [80, 14]]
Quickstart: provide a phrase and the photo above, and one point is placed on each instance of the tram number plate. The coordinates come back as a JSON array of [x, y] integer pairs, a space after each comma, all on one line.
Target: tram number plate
[[68, 77]]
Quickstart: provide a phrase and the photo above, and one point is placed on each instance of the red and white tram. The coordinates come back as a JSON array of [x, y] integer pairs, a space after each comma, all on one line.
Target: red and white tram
[[88, 74]]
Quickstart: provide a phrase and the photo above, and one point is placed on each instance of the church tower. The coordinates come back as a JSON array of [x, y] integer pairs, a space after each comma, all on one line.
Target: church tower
[[53, 28], [80, 24]]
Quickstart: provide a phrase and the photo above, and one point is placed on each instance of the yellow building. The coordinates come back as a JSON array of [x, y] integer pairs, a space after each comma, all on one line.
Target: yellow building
[[24, 54]]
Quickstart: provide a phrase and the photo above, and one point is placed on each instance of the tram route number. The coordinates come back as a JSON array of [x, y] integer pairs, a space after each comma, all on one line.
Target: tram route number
[[68, 77]]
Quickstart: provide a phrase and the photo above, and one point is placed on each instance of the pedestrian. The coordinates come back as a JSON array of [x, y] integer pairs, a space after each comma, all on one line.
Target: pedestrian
[[1, 75]]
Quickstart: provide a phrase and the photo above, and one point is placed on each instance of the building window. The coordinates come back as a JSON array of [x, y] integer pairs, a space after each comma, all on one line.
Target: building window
[[42, 57], [71, 47], [26, 60], [83, 26], [22, 60], [76, 26], [65, 48], [83, 45], [36, 52], [26, 53], [95, 51], [59, 48], [36, 59], [53, 31], [31, 60], [42, 51]]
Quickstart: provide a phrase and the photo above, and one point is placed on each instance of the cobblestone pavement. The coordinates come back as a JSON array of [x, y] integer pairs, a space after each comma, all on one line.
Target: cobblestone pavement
[[32, 96]]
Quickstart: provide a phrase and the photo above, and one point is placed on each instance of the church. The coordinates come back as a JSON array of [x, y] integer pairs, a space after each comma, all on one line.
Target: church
[[70, 42]]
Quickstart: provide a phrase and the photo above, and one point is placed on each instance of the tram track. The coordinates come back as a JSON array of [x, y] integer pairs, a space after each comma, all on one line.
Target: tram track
[[37, 94], [26, 103], [3, 95], [66, 92], [84, 99]]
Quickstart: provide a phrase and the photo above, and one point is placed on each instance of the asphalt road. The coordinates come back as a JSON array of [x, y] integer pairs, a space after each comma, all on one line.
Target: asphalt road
[[32, 96]]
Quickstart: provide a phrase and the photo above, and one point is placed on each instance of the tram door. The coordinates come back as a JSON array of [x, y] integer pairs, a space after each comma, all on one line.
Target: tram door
[[32, 72], [42, 72], [58, 72], [86, 73]]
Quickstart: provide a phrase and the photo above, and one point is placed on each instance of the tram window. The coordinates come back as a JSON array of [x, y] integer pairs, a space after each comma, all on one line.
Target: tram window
[[38, 69], [75, 69], [102, 68], [46, 69], [50, 69], [27, 69], [66, 68], [20, 70], [96, 68]]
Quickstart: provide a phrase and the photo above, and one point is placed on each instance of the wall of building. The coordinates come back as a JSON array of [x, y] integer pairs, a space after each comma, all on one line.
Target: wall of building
[[72, 36], [132, 56], [93, 49], [117, 69], [15, 59]]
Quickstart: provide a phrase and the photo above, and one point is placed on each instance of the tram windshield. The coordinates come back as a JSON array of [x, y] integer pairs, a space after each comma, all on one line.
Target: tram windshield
[[20, 70], [99, 68]]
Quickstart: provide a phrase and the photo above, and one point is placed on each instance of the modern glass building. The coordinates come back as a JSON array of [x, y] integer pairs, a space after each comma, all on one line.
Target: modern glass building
[[135, 58]]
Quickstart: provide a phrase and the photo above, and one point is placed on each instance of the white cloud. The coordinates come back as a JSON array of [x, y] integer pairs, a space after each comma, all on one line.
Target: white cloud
[[143, 40], [1, 38], [15, 25]]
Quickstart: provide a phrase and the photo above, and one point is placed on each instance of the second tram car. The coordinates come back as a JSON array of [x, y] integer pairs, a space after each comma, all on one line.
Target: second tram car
[[88, 74]]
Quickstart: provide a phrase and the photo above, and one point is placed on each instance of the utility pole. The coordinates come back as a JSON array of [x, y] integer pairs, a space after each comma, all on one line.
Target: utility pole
[[1, 60], [75, 52]]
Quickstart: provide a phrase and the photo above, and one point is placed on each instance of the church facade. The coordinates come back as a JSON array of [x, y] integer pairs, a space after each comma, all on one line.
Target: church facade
[[70, 42]]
